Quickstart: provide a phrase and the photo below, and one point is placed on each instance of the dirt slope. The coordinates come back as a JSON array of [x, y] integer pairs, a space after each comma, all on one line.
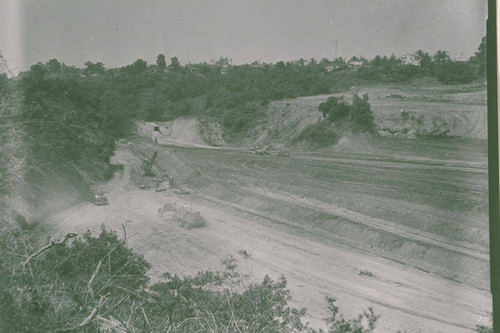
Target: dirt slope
[[399, 111], [241, 216], [397, 222], [184, 131]]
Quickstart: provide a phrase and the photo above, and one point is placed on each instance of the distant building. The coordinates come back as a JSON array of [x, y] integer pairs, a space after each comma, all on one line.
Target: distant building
[[409, 59], [355, 63], [331, 68]]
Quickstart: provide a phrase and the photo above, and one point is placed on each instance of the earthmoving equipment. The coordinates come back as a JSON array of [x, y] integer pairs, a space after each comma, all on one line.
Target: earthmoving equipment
[[266, 150], [260, 150], [159, 187], [182, 192], [100, 199], [147, 165]]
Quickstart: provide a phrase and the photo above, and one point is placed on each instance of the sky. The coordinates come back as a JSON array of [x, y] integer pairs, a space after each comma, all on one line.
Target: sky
[[117, 32]]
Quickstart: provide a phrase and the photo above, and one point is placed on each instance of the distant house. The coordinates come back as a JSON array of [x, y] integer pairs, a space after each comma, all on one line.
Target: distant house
[[409, 59], [331, 68], [256, 65], [355, 63]]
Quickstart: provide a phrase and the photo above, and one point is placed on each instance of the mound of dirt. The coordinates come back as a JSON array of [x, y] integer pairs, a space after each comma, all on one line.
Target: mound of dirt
[[436, 120]]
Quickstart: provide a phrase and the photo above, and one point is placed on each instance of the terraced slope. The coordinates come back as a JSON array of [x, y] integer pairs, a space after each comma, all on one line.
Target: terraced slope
[[405, 234]]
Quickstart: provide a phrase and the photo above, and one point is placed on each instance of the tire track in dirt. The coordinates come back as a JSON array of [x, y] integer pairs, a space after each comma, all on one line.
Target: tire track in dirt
[[466, 248], [406, 298]]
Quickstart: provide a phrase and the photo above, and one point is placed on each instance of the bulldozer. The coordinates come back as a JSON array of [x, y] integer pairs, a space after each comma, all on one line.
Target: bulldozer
[[260, 150]]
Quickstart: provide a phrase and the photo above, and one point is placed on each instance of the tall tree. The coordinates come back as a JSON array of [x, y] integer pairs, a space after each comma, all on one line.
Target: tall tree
[[91, 68], [161, 62], [480, 57], [175, 64], [424, 59], [441, 56], [54, 65]]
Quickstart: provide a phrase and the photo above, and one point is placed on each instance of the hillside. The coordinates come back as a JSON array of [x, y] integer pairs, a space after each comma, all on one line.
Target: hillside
[[394, 218], [403, 111], [377, 240]]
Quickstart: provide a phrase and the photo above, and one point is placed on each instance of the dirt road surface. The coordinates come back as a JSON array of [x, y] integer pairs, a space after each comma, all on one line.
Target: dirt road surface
[[410, 293]]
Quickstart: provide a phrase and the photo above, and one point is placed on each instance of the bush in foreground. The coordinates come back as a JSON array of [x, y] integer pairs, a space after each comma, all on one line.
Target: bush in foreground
[[95, 283]]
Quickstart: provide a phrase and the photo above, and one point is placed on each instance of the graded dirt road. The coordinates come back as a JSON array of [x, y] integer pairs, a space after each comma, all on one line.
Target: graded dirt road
[[404, 234]]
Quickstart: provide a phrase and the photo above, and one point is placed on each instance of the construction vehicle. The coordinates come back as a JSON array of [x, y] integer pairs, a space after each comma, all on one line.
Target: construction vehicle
[[100, 199], [259, 150]]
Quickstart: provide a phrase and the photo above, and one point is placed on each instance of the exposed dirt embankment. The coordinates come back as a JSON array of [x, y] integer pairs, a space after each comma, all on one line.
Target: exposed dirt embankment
[[295, 217], [417, 232], [457, 260], [399, 111], [398, 223], [184, 131]]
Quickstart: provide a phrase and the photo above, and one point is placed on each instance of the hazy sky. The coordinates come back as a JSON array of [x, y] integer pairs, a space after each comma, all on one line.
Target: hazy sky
[[117, 32]]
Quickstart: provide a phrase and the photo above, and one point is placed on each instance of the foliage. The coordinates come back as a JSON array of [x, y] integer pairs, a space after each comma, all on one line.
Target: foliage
[[175, 64], [479, 58], [358, 114], [337, 323], [212, 303], [3, 84], [62, 286], [424, 59], [338, 116], [93, 68], [319, 135], [483, 329], [161, 63], [441, 56], [139, 66], [96, 283], [455, 73], [71, 124], [73, 116], [147, 165], [335, 109]]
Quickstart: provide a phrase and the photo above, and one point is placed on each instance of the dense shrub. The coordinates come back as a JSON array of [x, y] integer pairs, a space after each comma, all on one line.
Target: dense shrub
[[358, 114], [319, 135], [455, 73], [96, 283], [70, 127], [406, 73], [66, 283]]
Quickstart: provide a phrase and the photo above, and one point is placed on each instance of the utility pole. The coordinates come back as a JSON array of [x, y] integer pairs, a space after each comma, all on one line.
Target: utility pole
[[336, 49]]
